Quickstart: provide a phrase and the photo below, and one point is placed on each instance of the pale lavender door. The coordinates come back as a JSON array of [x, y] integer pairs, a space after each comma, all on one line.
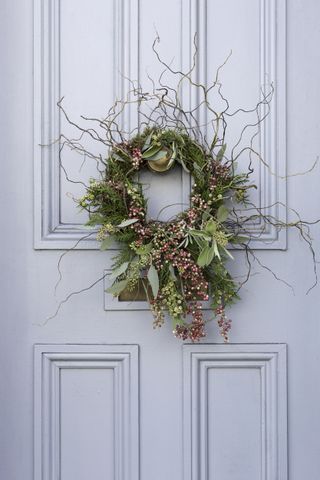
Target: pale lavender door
[[96, 393]]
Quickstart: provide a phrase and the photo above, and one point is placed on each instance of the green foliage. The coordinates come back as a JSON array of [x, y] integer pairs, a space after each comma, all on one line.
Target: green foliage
[[222, 213], [117, 272], [153, 278], [206, 256], [117, 287], [125, 255], [182, 259], [126, 223], [106, 243]]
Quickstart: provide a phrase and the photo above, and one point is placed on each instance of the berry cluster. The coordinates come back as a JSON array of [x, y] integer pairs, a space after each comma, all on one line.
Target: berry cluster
[[195, 330], [136, 158], [220, 170], [104, 231], [157, 312], [224, 323]]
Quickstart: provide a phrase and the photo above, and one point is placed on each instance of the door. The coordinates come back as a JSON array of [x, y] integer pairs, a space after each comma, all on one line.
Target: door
[[95, 392]]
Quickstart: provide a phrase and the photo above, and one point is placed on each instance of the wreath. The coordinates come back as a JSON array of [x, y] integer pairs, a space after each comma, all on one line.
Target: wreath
[[182, 262]]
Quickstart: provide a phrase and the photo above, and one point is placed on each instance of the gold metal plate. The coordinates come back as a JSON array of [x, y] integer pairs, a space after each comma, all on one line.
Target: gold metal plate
[[163, 164], [138, 294]]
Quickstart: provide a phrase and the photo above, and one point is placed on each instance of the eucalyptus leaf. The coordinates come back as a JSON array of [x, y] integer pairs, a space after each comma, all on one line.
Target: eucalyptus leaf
[[106, 243], [117, 157], [211, 227], [181, 161], [221, 152], [200, 241], [128, 222], [117, 287], [153, 278], [239, 239], [119, 271], [222, 213], [144, 249], [158, 156], [174, 150], [171, 162], [206, 256], [200, 233], [216, 249], [120, 152], [228, 253], [147, 142], [205, 216], [151, 151]]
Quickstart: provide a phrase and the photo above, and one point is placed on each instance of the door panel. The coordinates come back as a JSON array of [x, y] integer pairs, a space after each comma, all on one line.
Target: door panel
[[86, 411], [68, 53], [235, 412]]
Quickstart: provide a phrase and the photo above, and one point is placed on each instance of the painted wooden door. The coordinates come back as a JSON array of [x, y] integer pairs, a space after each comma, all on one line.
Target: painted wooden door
[[96, 393]]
